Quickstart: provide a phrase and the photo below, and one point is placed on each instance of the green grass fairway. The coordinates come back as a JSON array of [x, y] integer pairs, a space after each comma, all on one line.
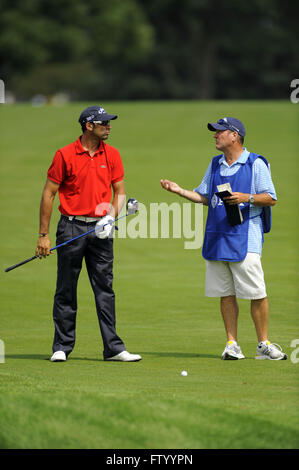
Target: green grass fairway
[[162, 313]]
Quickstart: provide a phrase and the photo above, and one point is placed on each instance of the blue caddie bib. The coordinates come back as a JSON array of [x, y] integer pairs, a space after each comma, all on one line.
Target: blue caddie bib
[[223, 242]]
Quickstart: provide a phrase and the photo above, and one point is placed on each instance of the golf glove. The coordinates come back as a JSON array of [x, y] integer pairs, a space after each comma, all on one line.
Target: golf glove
[[105, 227]]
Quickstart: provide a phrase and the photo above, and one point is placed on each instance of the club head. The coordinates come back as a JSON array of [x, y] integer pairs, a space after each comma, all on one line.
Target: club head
[[132, 206]]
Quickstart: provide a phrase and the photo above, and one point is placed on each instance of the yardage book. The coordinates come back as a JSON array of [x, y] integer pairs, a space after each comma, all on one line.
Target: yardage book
[[234, 214]]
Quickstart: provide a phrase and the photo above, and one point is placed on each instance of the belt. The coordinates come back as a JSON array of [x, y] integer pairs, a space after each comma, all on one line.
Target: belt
[[83, 219]]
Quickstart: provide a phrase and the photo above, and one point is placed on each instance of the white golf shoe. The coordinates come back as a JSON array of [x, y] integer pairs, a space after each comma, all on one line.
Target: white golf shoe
[[232, 351], [58, 356], [124, 356], [271, 351]]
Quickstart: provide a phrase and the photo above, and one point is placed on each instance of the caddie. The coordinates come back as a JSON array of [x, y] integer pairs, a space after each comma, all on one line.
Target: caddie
[[233, 252]]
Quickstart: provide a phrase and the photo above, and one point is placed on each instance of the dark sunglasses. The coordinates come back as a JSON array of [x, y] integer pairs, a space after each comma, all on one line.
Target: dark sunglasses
[[103, 123]]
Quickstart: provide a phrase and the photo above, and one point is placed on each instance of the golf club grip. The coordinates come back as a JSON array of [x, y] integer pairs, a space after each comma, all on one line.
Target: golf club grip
[[20, 264]]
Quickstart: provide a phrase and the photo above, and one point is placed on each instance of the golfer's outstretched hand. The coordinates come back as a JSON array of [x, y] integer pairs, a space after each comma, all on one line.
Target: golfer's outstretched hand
[[171, 186], [43, 246]]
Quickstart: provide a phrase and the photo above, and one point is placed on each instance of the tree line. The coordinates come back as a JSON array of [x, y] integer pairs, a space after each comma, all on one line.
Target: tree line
[[149, 49]]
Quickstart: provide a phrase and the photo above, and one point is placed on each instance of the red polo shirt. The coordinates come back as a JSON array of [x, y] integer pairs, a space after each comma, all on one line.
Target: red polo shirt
[[85, 181]]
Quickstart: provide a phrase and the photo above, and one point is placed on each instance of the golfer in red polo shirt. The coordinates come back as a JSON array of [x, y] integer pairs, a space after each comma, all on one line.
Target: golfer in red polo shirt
[[89, 176]]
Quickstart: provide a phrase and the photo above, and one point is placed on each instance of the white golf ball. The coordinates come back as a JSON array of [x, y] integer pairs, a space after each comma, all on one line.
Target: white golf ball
[[184, 373]]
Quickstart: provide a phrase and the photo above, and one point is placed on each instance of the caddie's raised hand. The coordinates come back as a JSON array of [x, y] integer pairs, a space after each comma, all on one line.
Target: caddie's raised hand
[[171, 186], [43, 246], [104, 228]]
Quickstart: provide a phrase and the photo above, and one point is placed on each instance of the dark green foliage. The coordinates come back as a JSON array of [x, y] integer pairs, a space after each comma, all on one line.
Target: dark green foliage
[[136, 49]]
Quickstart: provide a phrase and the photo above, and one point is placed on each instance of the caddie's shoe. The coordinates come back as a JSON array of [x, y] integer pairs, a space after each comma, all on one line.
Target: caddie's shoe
[[232, 351], [272, 351], [58, 356], [124, 356]]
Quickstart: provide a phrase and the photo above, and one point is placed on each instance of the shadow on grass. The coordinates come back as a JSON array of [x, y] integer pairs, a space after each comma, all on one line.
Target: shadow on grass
[[145, 353], [27, 356], [46, 358], [187, 355], [179, 354]]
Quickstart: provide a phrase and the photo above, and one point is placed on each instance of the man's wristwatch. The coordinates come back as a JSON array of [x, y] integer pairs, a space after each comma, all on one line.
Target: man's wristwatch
[[251, 199]]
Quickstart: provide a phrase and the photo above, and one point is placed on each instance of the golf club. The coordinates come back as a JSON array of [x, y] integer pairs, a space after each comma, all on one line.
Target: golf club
[[131, 208]]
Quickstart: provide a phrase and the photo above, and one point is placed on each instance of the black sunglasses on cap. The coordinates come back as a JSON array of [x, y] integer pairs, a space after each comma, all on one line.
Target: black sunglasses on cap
[[103, 123]]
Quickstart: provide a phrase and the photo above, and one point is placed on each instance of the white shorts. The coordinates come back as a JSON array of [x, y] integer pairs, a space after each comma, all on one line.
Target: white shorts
[[244, 279]]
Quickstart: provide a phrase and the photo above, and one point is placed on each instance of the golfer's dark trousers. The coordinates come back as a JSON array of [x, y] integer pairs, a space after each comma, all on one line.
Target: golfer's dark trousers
[[98, 256]]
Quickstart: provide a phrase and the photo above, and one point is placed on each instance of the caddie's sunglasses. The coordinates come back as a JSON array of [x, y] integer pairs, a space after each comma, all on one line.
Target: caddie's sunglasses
[[103, 123], [222, 122]]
